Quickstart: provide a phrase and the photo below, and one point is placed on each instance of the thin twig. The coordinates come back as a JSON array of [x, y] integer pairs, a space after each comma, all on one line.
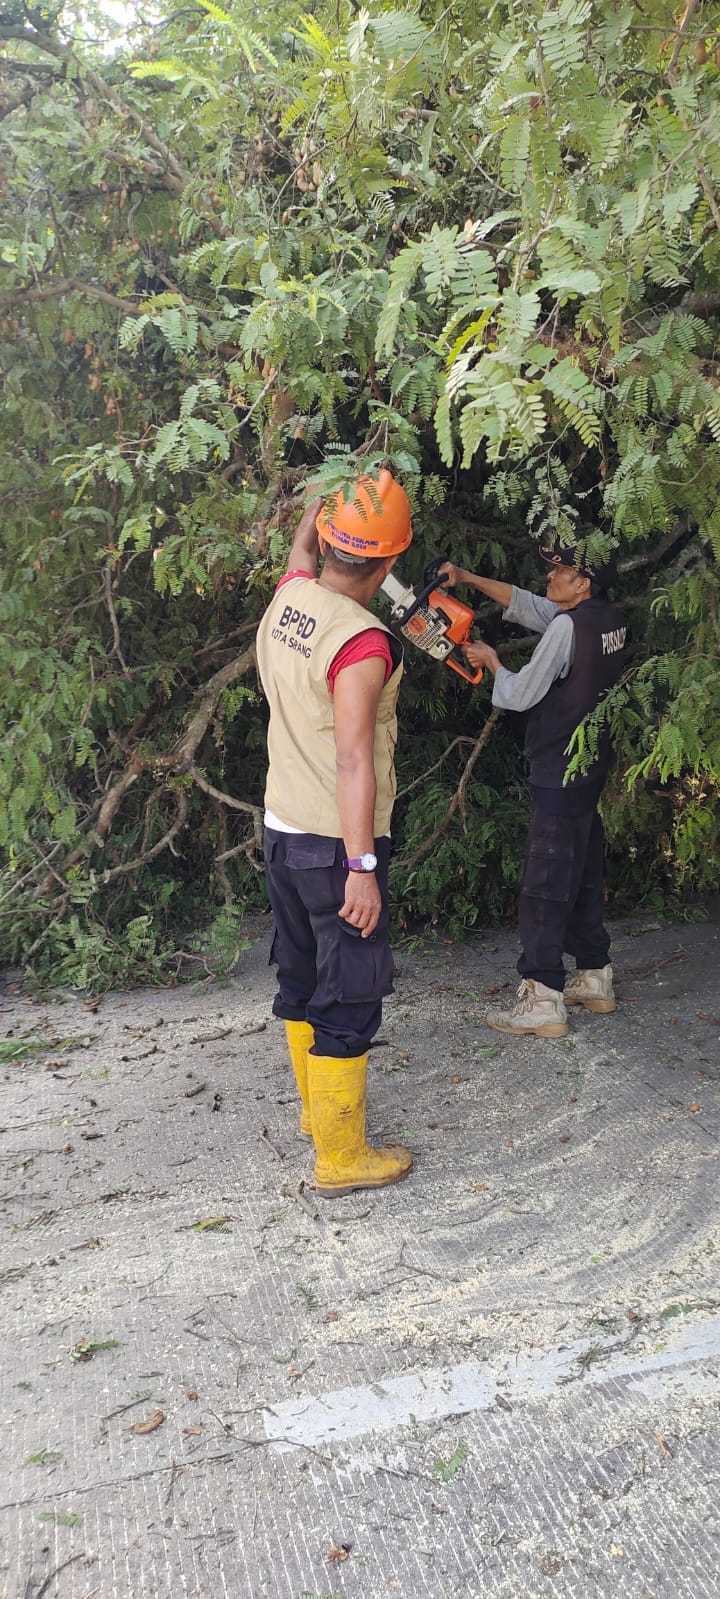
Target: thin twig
[[162, 843], [260, 398], [120, 1411], [44, 1586], [690, 10], [704, 179], [461, 739], [234, 804], [107, 592], [289, 1192], [176, 1471], [543, 82], [458, 799], [274, 1147]]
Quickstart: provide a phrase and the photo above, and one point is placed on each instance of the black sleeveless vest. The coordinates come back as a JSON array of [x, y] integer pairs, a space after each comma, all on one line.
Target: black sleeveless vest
[[598, 664]]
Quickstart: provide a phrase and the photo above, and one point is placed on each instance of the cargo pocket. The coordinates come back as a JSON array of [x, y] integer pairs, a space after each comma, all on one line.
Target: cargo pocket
[[310, 853], [549, 859], [361, 972]]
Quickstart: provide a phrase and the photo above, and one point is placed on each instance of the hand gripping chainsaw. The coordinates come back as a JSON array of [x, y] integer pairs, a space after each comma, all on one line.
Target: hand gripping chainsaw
[[432, 618]]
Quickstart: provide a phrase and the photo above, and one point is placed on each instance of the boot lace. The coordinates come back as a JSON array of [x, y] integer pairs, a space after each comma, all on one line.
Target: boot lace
[[525, 999]]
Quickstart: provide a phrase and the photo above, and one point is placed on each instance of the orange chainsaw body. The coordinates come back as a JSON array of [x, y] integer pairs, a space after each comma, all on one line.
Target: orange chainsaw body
[[440, 614], [433, 619]]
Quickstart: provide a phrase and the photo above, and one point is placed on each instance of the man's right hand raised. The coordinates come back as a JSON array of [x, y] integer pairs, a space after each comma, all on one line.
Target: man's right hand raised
[[451, 576]]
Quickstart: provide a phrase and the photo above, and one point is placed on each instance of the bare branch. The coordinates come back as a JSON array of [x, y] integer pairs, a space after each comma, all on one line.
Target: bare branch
[[162, 843], [476, 752], [217, 646], [652, 557], [234, 804], [458, 800], [107, 592], [704, 179], [462, 739], [175, 177], [681, 35], [182, 758], [60, 286], [115, 795], [50, 291], [220, 859], [177, 763]]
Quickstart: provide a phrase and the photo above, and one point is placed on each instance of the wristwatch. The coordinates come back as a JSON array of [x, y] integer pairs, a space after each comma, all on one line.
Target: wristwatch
[[361, 863]]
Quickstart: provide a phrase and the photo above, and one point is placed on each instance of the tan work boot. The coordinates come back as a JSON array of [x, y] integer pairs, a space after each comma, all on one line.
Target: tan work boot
[[591, 988], [338, 1097], [300, 1038], [538, 1010]]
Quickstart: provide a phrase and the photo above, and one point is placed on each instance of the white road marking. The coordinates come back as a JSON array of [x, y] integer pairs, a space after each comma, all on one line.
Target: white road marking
[[443, 1391]]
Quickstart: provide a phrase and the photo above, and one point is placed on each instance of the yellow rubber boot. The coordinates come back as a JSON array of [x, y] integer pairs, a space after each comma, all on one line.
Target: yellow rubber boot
[[338, 1098], [300, 1036]]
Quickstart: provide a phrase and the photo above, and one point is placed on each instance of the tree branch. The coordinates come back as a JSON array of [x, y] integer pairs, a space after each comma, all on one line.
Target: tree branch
[[222, 798], [54, 47], [184, 754], [458, 800], [701, 170], [117, 647], [60, 286], [652, 557], [24, 98], [176, 177], [162, 843], [220, 859], [681, 35], [461, 739], [49, 291], [177, 763]]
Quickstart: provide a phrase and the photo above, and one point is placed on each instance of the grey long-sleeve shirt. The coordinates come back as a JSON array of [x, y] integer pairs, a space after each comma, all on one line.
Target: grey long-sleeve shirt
[[551, 658]]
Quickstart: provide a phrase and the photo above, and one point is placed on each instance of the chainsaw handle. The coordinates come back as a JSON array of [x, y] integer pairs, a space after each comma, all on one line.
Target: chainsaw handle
[[462, 672], [430, 575], [429, 583]]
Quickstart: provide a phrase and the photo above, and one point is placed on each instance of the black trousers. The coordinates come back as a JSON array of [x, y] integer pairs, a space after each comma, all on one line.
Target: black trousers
[[561, 906], [327, 974]]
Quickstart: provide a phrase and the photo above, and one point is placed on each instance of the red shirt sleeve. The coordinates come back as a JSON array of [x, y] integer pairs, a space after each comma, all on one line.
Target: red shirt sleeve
[[298, 572], [361, 648]]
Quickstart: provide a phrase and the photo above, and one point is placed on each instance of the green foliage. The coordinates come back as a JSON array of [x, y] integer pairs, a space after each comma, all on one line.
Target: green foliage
[[248, 250]]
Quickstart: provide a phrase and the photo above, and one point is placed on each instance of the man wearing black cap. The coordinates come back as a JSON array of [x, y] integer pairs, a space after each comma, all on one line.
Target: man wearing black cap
[[579, 658]]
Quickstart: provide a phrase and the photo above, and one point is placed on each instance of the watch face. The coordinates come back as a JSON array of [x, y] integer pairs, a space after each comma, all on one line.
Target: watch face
[[369, 862]]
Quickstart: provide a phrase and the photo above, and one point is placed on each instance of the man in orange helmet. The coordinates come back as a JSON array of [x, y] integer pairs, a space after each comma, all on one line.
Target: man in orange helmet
[[331, 673]]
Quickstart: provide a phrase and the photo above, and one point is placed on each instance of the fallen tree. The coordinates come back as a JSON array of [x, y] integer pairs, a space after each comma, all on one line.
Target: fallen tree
[[244, 252]]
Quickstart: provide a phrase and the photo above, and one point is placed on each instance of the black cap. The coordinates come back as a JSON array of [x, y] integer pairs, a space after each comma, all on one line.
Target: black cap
[[604, 573]]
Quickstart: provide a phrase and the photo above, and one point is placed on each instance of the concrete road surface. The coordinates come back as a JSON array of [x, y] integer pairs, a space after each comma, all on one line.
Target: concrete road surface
[[499, 1380]]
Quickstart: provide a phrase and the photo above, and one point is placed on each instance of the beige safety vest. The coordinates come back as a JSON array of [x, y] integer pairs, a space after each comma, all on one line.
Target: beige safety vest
[[300, 634]]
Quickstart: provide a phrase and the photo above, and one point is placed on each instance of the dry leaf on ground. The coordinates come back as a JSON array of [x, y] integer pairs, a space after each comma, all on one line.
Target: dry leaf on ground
[[339, 1551], [151, 1422]]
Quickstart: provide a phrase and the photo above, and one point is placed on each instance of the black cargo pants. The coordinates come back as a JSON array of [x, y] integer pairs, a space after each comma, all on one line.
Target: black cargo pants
[[327, 975], [561, 905]]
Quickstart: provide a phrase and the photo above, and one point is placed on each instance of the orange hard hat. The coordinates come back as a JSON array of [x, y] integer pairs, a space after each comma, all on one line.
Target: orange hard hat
[[375, 522]]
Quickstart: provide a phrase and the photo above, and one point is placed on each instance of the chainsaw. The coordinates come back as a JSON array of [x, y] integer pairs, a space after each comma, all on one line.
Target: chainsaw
[[432, 618]]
